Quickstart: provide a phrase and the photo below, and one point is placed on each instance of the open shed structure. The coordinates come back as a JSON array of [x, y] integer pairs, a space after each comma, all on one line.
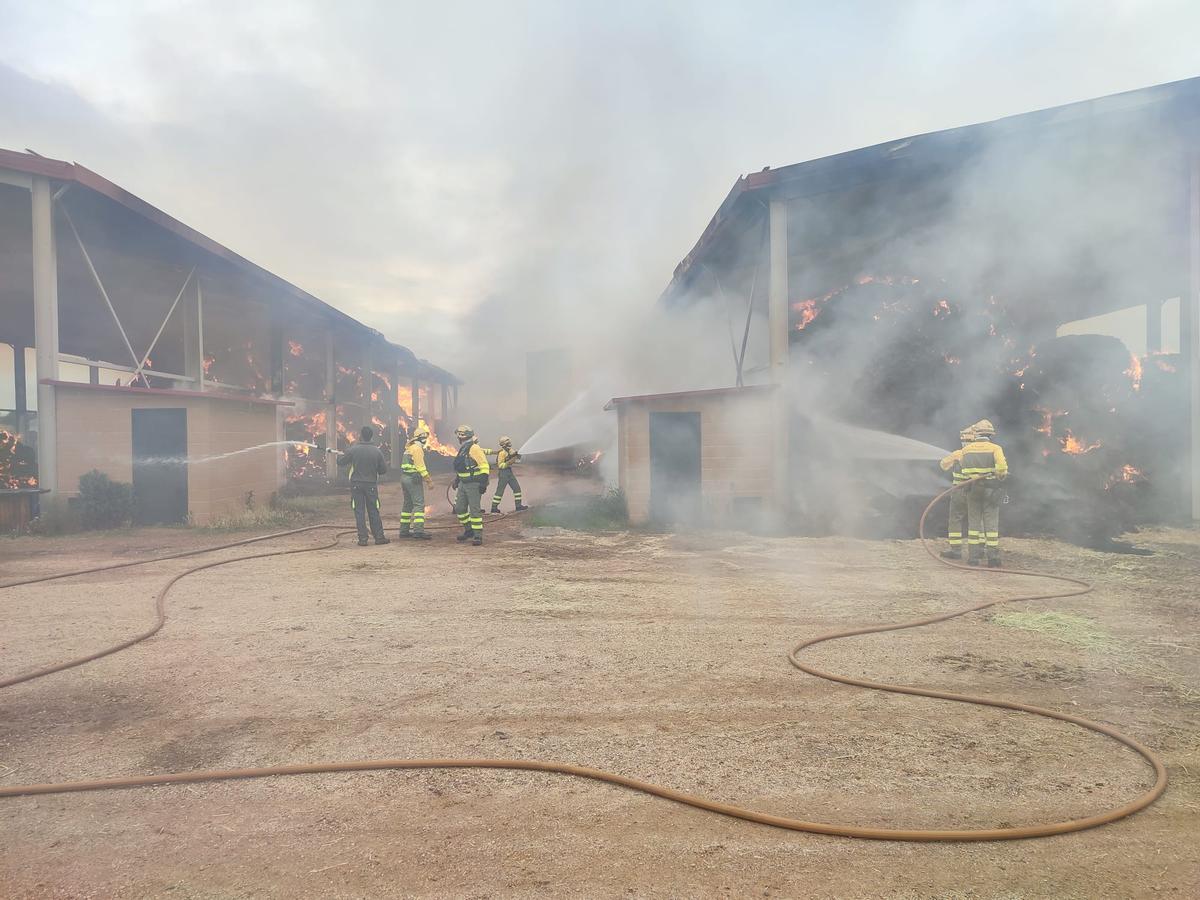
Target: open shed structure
[[128, 338], [896, 274]]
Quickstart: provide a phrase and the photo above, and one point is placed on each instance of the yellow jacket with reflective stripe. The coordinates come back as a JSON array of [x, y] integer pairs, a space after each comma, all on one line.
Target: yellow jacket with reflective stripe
[[479, 462], [953, 463], [414, 459], [983, 458], [502, 458]]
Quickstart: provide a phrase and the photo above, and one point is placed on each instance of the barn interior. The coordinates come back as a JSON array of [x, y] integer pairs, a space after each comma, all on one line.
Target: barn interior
[[1042, 271]]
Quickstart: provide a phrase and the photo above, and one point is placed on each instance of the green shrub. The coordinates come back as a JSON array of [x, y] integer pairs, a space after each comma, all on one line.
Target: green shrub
[[607, 512], [104, 503]]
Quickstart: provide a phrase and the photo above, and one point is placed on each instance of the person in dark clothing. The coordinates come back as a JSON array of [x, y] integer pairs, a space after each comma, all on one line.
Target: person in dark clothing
[[366, 463]]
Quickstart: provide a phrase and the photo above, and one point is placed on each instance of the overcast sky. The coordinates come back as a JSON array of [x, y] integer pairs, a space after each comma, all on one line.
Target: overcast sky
[[481, 177]]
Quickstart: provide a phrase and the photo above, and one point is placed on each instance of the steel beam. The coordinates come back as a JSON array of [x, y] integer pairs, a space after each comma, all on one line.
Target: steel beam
[[777, 323], [331, 471], [45, 327], [1190, 319]]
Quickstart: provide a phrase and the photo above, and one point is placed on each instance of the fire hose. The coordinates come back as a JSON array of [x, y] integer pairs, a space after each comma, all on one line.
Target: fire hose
[[1079, 587]]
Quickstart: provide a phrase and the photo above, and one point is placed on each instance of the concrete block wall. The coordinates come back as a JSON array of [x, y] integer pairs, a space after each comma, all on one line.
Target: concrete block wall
[[736, 431], [95, 431]]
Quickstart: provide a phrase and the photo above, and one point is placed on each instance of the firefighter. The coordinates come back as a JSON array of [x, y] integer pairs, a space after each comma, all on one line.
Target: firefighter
[[983, 458], [414, 478], [471, 470], [506, 458], [958, 500], [366, 463]]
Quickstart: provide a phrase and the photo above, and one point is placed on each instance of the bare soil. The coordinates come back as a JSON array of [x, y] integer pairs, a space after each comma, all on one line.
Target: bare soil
[[658, 656]]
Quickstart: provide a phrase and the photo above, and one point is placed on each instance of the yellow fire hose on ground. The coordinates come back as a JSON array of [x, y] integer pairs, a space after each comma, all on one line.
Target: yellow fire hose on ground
[[893, 834]]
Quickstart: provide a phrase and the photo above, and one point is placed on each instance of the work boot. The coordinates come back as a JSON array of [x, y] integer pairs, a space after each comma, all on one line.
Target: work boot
[[421, 536], [404, 532], [951, 554], [496, 508], [477, 540], [520, 507], [363, 543], [466, 535], [993, 562], [973, 561], [382, 540]]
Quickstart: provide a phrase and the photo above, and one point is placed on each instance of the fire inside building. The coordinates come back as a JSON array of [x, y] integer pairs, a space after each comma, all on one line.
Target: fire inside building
[[133, 344], [1042, 271]]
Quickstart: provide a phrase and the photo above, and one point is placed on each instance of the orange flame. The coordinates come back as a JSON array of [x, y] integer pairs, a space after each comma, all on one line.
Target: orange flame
[[808, 312], [1076, 447], [295, 348], [1127, 474], [1135, 372], [435, 445]]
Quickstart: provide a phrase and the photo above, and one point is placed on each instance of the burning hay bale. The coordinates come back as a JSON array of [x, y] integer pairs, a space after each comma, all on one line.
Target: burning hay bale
[[1093, 435]]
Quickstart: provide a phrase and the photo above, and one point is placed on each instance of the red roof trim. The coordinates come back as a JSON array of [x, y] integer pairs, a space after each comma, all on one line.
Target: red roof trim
[[164, 392]]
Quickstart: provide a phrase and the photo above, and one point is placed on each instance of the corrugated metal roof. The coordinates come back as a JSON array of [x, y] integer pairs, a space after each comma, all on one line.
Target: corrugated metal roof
[[1168, 105], [73, 173]]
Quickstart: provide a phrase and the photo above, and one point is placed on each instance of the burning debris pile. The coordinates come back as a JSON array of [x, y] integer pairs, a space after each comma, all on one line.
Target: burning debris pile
[[18, 463], [1093, 435]]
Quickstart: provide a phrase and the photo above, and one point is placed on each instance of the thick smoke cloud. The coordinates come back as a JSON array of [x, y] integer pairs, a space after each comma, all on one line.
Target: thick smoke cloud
[[478, 180]]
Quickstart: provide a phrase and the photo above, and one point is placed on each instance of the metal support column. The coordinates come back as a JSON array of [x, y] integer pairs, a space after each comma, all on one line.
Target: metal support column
[[45, 327], [1154, 326], [777, 323], [331, 410], [393, 407], [1190, 319], [193, 339]]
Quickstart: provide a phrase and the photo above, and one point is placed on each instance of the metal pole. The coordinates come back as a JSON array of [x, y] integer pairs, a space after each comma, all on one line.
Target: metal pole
[[200, 329], [777, 321], [1191, 316], [1154, 326], [45, 326], [331, 410]]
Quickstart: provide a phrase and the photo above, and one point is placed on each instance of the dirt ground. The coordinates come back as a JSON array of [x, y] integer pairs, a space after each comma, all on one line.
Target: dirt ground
[[658, 656]]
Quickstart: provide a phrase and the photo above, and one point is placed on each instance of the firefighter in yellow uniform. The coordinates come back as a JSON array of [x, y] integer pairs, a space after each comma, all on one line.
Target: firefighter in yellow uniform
[[471, 471], [414, 478], [983, 458], [958, 500], [506, 458]]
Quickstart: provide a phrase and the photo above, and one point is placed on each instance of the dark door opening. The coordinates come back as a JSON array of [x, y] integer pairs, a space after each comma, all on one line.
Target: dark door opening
[[160, 489], [675, 467]]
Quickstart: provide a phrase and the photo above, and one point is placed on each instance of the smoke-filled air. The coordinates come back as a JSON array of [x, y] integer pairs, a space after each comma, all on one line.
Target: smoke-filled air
[[599, 449]]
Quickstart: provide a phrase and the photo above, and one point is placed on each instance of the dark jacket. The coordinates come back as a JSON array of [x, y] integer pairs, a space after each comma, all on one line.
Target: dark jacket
[[366, 462]]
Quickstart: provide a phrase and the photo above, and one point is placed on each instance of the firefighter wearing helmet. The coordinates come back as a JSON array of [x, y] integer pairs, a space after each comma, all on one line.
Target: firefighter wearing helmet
[[958, 500], [984, 459], [471, 471], [506, 458], [414, 478]]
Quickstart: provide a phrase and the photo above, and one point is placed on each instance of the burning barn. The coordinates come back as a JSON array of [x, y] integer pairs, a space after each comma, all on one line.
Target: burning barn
[[1042, 271], [133, 344]]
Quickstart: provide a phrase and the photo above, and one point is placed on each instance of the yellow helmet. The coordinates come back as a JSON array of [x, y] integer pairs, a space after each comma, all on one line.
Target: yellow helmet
[[506, 442], [984, 429], [464, 432], [420, 433], [967, 434]]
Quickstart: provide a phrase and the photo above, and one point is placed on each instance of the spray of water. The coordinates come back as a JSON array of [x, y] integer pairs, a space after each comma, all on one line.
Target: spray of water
[[194, 461]]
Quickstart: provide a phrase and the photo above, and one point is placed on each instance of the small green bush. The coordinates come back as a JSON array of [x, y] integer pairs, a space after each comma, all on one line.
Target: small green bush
[[104, 503], [607, 512]]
